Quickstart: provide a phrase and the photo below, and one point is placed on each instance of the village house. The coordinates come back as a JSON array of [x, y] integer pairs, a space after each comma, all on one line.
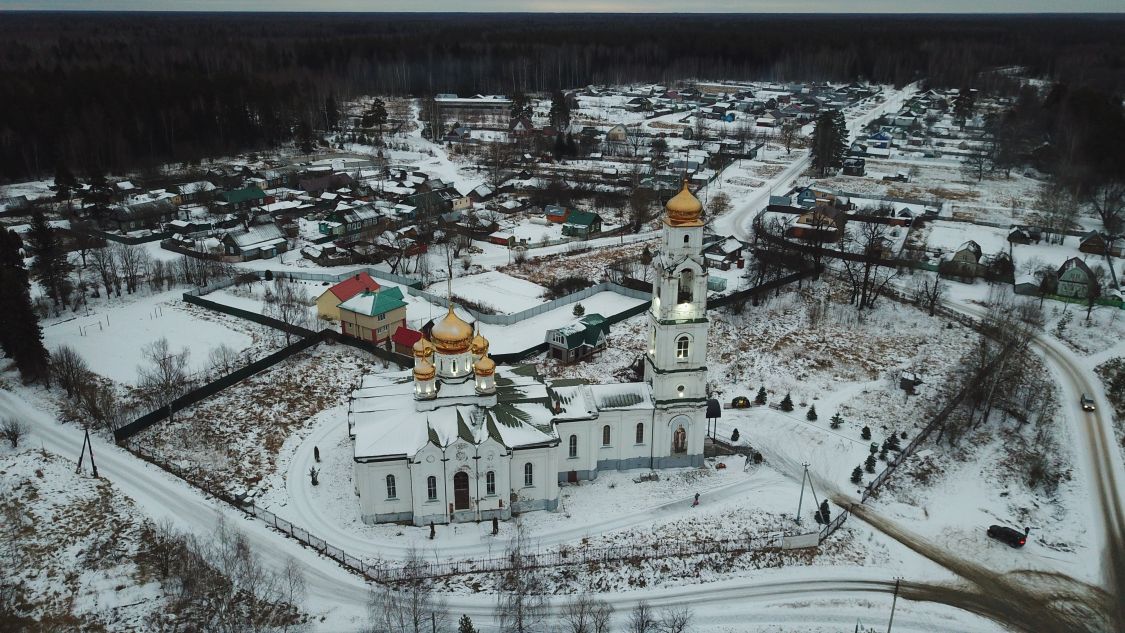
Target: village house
[[1098, 243], [328, 303], [260, 242], [143, 215], [963, 263], [1076, 280], [582, 224], [404, 339], [821, 224], [578, 341], [373, 316], [242, 199], [555, 213], [723, 254]]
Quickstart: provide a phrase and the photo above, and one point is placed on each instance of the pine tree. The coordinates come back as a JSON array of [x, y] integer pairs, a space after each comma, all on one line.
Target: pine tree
[[466, 625], [734, 436], [51, 267], [787, 403], [865, 433], [20, 335], [869, 465], [963, 104], [579, 309], [829, 141], [837, 420], [892, 442], [761, 397], [521, 106], [811, 415], [560, 111], [857, 475]]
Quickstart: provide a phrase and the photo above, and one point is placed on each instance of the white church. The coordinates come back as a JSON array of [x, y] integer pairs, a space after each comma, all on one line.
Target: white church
[[460, 439]]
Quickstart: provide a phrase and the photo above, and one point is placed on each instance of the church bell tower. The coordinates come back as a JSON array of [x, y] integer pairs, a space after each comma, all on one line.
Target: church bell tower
[[676, 359]]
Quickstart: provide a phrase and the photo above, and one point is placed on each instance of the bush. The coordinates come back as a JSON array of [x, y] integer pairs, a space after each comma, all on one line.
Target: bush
[[579, 309], [14, 430], [865, 433], [787, 403], [811, 415], [734, 436], [565, 286]]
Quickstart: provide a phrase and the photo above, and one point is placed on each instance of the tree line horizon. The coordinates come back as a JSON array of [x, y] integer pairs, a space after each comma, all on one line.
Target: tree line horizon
[[104, 92]]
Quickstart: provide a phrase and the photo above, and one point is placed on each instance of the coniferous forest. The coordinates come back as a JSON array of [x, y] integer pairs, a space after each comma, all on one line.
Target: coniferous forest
[[98, 92]]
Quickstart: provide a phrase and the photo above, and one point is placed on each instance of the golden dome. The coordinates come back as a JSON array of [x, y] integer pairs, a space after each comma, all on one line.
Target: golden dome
[[424, 371], [480, 345], [485, 366], [452, 335], [423, 348], [684, 209]]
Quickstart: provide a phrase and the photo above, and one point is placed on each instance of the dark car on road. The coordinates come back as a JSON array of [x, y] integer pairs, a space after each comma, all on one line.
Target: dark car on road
[[1087, 402], [1004, 534]]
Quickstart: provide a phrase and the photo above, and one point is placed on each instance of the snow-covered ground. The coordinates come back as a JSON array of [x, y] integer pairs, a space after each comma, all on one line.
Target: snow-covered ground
[[113, 335]]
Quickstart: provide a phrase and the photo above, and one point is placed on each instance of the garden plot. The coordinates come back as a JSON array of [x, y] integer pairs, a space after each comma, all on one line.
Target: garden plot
[[503, 293], [588, 264], [233, 437], [112, 337]]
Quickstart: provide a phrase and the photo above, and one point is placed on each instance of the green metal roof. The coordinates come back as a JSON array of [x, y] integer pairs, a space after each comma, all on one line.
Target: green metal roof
[[242, 195], [373, 303], [582, 218]]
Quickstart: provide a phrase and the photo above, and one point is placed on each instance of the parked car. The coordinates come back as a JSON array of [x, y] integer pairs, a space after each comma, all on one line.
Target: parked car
[[1087, 402], [1012, 537], [741, 402]]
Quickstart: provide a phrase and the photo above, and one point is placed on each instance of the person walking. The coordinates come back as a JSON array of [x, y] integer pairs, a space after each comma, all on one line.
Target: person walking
[[696, 502]]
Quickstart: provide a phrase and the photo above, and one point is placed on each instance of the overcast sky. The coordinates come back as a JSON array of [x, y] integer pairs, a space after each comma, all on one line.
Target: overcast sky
[[669, 6]]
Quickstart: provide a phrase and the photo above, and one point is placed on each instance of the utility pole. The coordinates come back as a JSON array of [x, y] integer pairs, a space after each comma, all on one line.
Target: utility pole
[[87, 443], [894, 603]]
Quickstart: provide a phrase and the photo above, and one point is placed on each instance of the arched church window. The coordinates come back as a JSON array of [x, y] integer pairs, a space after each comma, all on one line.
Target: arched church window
[[687, 239], [490, 483], [679, 441], [528, 475], [454, 366], [683, 347], [391, 489], [684, 294], [431, 488], [640, 432], [605, 435], [573, 446]]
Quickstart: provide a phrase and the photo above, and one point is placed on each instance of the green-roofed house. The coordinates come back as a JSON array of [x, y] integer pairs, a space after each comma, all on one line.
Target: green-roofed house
[[579, 340], [582, 224], [242, 199], [373, 316]]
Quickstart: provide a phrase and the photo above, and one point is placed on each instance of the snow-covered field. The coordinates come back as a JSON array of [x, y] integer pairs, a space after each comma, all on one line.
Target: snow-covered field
[[503, 293], [112, 337]]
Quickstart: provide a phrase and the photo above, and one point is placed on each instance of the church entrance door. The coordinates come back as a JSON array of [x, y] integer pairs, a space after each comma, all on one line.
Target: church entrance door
[[461, 498]]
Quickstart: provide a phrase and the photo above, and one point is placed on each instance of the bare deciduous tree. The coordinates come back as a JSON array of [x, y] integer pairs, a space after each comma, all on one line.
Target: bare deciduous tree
[[134, 261], [106, 265], [928, 292], [522, 600], [288, 303], [13, 430], [642, 619], [165, 377], [586, 615], [223, 359], [69, 369], [413, 606], [674, 620]]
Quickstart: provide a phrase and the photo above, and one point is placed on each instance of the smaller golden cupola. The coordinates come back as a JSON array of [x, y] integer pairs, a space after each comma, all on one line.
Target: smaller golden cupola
[[484, 367], [684, 209], [424, 370], [479, 346], [423, 348]]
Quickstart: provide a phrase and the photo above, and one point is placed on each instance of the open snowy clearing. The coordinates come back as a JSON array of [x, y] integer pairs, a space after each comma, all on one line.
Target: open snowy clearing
[[112, 337]]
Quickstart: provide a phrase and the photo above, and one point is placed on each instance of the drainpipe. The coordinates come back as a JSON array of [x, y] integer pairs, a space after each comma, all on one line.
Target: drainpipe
[[445, 484], [476, 477], [652, 440]]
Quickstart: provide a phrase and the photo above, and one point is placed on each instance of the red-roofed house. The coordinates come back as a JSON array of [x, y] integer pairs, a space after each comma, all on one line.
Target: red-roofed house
[[404, 339], [328, 304]]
